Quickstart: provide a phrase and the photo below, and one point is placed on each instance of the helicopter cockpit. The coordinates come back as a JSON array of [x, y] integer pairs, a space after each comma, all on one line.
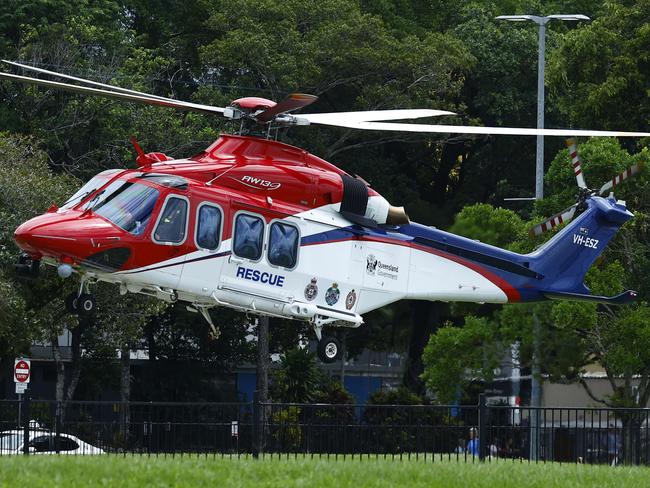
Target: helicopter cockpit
[[129, 203], [105, 222]]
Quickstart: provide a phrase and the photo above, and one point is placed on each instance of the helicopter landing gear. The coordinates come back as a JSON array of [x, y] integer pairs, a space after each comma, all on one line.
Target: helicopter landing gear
[[86, 305], [83, 305], [83, 302], [71, 303], [214, 331], [329, 349]]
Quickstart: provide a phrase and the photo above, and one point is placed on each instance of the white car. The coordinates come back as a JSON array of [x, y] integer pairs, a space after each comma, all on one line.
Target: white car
[[43, 441]]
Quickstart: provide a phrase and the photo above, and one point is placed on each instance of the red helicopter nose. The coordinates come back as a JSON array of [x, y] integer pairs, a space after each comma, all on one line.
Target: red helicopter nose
[[68, 238], [39, 235]]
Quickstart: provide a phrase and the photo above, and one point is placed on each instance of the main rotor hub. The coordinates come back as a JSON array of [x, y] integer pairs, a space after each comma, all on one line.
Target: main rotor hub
[[253, 103]]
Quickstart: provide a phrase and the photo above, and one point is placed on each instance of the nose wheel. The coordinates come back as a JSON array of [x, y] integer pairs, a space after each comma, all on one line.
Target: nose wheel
[[329, 349], [83, 305], [71, 303]]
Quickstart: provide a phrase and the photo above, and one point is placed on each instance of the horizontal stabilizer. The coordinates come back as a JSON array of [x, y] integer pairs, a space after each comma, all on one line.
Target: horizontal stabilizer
[[622, 299]]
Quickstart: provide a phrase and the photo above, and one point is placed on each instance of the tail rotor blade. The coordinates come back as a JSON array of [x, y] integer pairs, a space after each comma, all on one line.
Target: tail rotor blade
[[292, 102], [620, 178], [559, 218], [575, 161]]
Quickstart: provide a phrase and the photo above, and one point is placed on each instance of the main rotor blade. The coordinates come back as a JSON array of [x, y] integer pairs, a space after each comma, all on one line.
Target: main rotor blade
[[83, 80], [618, 179], [470, 129], [336, 118], [575, 162], [165, 102], [292, 102], [559, 218]]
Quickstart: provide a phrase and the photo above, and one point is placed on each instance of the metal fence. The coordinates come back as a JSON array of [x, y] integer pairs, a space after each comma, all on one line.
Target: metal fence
[[462, 433]]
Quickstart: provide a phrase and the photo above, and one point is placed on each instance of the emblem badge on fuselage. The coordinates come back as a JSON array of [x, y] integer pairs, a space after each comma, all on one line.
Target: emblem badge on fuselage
[[332, 294], [350, 300], [311, 290]]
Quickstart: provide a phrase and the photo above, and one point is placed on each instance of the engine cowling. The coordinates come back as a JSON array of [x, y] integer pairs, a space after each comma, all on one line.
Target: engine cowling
[[360, 206]]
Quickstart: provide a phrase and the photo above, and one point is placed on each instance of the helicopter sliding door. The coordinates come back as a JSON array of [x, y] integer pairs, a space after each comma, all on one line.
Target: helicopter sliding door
[[263, 254]]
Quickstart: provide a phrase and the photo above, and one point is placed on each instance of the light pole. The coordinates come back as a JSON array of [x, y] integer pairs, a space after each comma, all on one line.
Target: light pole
[[541, 24], [535, 387]]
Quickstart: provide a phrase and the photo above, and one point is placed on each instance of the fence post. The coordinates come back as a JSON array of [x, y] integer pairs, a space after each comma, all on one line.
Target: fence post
[[257, 425], [58, 411], [26, 415], [482, 427]]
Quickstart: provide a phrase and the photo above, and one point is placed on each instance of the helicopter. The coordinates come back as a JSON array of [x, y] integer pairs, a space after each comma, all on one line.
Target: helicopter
[[265, 228]]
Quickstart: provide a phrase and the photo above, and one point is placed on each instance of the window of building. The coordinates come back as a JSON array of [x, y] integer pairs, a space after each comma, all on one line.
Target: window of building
[[208, 227], [172, 223], [283, 245], [248, 237]]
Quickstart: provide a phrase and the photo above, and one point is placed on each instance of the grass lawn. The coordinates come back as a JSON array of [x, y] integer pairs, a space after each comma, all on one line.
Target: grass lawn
[[55, 471]]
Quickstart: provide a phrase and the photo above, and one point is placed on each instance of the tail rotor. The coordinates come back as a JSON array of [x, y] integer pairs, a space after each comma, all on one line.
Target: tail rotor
[[584, 193]]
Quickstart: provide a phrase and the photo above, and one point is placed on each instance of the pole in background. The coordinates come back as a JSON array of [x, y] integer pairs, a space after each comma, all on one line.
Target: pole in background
[[26, 404], [541, 21], [261, 395]]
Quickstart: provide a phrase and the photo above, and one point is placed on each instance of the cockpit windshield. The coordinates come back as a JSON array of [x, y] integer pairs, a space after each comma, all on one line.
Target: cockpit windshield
[[128, 206], [99, 197], [93, 185]]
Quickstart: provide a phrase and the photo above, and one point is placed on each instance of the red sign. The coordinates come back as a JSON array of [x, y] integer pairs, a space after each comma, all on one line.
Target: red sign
[[22, 370]]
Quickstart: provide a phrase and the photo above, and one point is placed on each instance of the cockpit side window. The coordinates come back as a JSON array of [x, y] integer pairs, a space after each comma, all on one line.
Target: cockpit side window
[[248, 237], [172, 223]]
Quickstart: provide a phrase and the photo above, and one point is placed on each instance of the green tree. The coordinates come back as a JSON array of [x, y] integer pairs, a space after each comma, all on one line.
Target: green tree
[[298, 379], [571, 335], [599, 74]]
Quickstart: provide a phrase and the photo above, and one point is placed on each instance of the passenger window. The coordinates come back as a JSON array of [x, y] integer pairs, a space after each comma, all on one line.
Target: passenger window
[[172, 223], [283, 245], [208, 227], [249, 237]]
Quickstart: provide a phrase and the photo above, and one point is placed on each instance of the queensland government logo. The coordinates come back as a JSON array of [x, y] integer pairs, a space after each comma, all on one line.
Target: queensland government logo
[[376, 267], [371, 264]]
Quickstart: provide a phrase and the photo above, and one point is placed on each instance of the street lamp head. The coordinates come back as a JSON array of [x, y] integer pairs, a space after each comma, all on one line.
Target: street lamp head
[[569, 17], [540, 19], [515, 18]]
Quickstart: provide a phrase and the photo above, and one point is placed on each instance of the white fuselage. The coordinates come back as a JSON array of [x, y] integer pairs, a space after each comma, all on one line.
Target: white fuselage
[[337, 276]]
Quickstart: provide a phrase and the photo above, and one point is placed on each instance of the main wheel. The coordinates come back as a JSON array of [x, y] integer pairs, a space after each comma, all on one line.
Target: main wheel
[[329, 349], [86, 305], [71, 303]]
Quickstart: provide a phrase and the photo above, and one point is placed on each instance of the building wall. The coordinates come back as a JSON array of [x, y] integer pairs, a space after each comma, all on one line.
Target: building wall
[[574, 394]]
